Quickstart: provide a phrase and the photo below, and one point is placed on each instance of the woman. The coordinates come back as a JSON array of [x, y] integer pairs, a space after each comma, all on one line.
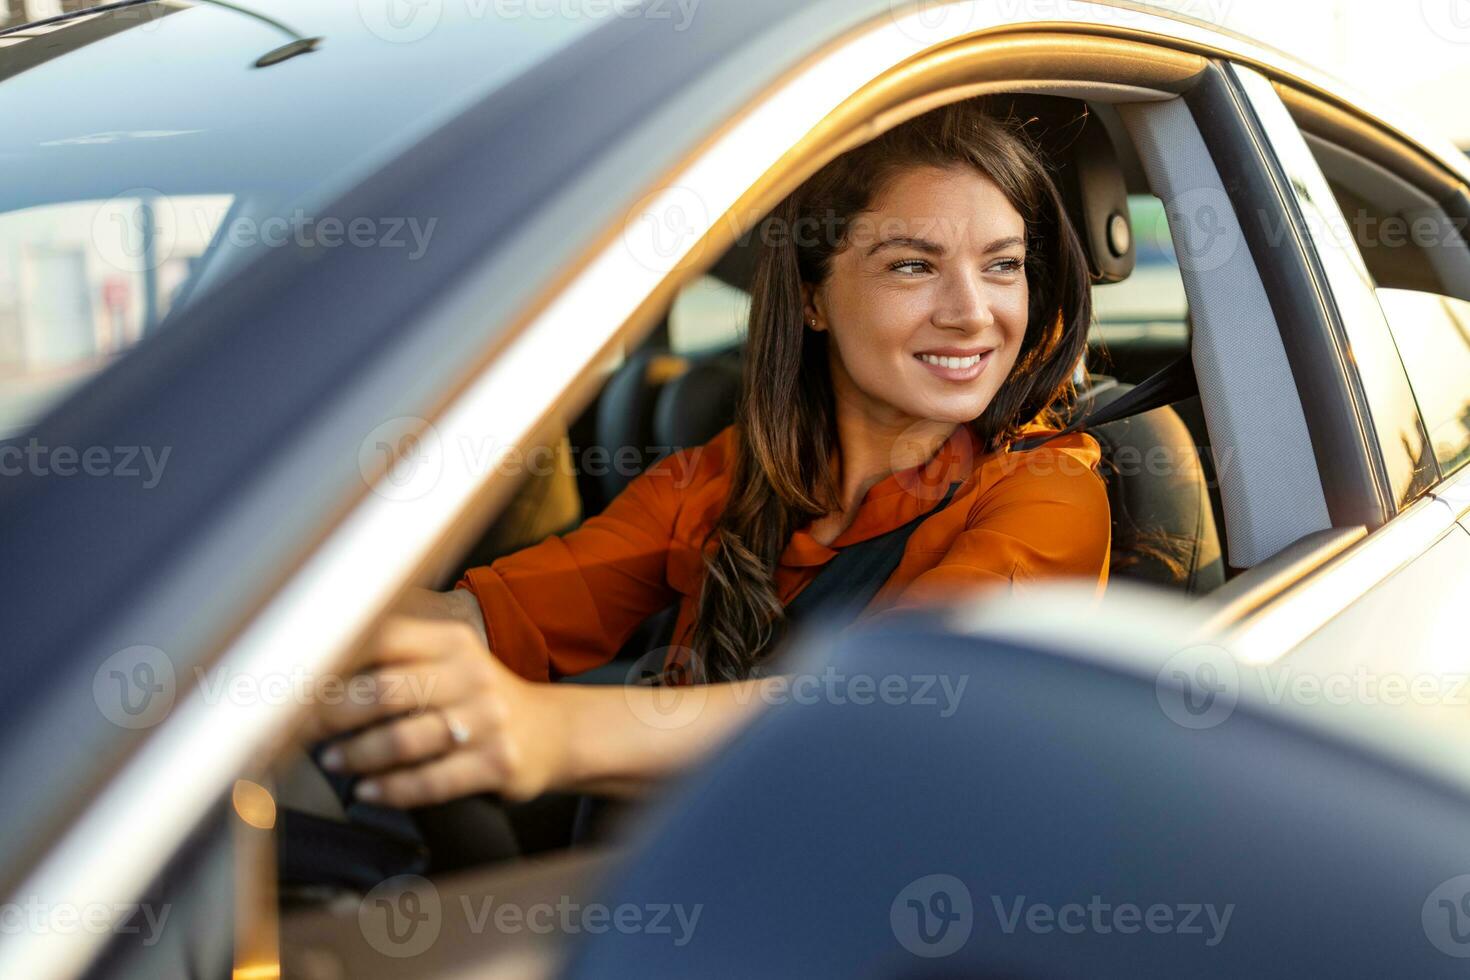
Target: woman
[[919, 304]]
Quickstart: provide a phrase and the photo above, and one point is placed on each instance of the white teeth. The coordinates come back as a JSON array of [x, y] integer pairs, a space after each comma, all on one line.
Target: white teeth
[[951, 362]]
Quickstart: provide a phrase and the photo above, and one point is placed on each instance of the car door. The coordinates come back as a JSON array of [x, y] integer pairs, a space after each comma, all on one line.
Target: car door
[[286, 392], [1387, 221]]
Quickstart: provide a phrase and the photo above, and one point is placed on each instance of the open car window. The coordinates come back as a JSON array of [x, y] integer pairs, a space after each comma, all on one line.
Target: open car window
[[1150, 304], [708, 314]]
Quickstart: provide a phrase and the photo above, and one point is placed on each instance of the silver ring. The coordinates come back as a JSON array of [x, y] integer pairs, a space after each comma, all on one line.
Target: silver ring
[[459, 732]]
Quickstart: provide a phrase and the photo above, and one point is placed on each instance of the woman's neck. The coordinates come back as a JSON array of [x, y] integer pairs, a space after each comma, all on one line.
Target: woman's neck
[[872, 448], [872, 444]]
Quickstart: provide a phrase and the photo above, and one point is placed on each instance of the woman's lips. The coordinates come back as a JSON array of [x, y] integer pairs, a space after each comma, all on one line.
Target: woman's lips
[[955, 367]]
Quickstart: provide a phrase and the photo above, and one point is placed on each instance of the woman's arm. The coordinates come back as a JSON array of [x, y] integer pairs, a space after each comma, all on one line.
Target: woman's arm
[[456, 606], [423, 680], [567, 605], [1047, 517], [626, 739]]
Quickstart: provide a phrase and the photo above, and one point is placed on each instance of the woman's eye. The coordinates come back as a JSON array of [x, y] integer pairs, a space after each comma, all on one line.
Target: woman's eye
[[909, 267], [913, 267]]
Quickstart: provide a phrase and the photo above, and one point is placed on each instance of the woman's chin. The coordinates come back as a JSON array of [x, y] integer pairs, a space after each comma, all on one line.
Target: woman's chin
[[953, 411]]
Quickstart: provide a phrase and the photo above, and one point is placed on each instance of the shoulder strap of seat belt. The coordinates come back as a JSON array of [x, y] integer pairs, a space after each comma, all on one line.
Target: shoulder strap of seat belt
[[1174, 383], [852, 577]]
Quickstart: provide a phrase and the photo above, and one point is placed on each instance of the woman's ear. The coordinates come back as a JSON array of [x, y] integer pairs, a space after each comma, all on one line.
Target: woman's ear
[[811, 315]]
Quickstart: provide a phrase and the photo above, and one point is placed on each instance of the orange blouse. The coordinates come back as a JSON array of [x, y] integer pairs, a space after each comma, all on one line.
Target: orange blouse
[[568, 604]]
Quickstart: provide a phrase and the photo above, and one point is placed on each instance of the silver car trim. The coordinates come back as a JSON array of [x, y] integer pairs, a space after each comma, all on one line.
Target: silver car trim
[[1285, 623], [1256, 587], [1455, 492]]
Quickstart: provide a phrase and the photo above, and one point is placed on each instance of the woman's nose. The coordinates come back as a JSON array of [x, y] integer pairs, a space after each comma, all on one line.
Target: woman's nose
[[964, 303]]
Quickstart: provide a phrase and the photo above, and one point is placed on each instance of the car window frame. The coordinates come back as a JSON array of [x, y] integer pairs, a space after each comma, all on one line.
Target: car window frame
[[1273, 611], [1374, 368]]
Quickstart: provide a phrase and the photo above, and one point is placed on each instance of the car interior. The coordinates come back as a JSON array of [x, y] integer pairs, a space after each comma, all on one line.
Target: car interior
[[676, 387]]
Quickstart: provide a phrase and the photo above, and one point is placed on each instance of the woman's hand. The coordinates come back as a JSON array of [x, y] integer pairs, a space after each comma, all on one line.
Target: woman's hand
[[444, 719], [434, 716], [457, 605]]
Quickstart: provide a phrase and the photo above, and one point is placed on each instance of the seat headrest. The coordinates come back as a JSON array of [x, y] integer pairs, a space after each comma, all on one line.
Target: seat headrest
[[1105, 227], [693, 407], [1089, 176]]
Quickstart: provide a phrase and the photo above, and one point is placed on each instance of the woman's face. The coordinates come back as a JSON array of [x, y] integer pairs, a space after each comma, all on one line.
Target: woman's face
[[927, 304]]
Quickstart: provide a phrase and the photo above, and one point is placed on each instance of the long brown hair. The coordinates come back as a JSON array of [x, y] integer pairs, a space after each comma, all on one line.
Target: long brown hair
[[786, 434]]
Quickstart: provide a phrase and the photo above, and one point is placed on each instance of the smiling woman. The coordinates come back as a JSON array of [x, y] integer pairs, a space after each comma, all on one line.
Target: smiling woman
[[949, 293], [919, 304]]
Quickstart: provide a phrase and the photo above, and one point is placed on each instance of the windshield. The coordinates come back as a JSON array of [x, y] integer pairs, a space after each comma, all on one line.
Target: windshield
[[149, 150]]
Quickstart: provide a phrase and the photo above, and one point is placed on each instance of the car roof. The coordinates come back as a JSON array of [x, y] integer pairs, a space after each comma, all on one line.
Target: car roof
[[175, 99]]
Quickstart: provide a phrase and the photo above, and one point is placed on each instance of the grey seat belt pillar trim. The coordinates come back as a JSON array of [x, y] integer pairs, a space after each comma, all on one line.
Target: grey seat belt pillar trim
[[1269, 485]]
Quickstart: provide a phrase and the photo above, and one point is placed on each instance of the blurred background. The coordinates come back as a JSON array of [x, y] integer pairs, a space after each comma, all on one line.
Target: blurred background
[[1411, 54], [1410, 51], [1416, 51]]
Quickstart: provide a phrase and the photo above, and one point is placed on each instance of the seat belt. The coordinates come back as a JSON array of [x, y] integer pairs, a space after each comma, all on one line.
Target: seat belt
[[1173, 383], [851, 578], [843, 588]]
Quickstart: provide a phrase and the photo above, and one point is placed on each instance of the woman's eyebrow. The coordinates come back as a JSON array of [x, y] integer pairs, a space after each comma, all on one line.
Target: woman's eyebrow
[[1007, 242], [919, 244], [934, 248]]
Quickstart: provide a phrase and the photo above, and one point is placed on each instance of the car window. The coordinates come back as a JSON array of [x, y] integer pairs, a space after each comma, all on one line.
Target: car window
[[708, 314], [1141, 324], [1420, 267], [151, 149], [1146, 312], [1433, 334], [81, 281]]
